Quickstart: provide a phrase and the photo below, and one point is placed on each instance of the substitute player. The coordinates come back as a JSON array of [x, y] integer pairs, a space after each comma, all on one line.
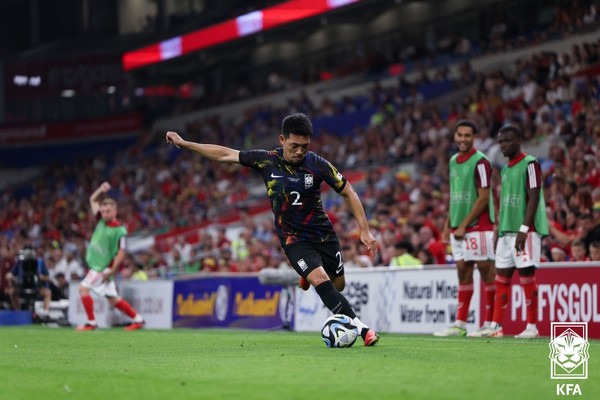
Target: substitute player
[[104, 254], [522, 223], [293, 176], [471, 223]]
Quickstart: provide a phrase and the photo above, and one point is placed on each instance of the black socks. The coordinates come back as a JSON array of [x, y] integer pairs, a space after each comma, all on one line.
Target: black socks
[[334, 300]]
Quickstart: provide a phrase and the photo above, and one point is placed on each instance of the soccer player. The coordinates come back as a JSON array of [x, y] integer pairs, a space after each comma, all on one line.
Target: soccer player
[[470, 226], [293, 177], [104, 254], [522, 222]]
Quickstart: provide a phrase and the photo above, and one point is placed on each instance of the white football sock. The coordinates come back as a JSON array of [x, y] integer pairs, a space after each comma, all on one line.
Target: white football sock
[[359, 324]]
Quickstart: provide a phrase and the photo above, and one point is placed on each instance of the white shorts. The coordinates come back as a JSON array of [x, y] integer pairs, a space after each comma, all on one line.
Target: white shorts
[[475, 246], [507, 256], [93, 281]]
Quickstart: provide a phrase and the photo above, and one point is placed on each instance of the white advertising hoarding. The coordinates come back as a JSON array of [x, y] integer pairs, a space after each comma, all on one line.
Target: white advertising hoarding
[[394, 300], [152, 299]]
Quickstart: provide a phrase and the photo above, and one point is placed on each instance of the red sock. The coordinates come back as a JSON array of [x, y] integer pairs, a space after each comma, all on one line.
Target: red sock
[[126, 308], [531, 298], [465, 292], [502, 293], [490, 294], [88, 306]]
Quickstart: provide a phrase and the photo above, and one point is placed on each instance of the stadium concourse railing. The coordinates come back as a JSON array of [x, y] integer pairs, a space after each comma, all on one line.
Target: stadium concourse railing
[[418, 300]]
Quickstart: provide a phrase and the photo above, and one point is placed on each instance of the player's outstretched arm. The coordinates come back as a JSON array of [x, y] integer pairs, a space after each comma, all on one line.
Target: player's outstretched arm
[[95, 197], [210, 151], [353, 202]]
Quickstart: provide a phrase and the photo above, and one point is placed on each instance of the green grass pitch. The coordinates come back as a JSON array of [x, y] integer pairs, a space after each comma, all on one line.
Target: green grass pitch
[[46, 363]]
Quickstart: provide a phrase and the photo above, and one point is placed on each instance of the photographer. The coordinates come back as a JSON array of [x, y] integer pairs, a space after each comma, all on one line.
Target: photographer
[[28, 278]]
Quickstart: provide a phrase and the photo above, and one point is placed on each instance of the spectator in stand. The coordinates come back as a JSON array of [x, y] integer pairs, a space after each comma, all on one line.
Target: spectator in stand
[[434, 246], [595, 251], [578, 251], [184, 248], [138, 273], [404, 257], [193, 265], [226, 263], [355, 260], [59, 287], [68, 265], [558, 254]]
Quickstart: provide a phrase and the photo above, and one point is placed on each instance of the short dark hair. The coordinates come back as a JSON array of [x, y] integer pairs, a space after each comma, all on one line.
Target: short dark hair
[[298, 124], [511, 128], [404, 244], [467, 123], [108, 200]]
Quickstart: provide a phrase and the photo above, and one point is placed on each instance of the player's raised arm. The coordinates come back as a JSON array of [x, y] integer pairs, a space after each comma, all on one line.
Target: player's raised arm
[[210, 151], [95, 197], [355, 205]]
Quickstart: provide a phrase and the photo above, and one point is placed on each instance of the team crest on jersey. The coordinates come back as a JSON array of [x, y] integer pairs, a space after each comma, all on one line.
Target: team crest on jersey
[[308, 181]]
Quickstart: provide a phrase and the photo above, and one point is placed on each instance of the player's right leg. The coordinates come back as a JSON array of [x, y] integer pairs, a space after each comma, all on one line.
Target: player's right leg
[[465, 290], [90, 279]]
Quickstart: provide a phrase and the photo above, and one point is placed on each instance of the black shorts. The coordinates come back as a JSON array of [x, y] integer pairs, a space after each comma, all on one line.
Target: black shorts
[[306, 256]]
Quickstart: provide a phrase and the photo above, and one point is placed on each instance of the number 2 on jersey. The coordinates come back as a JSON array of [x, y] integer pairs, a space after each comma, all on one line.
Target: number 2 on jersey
[[297, 201]]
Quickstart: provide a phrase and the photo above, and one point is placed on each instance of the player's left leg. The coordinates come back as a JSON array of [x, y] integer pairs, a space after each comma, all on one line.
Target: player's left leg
[[527, 261], [527, 279], [339, 282], [122, 305], [337, 303]]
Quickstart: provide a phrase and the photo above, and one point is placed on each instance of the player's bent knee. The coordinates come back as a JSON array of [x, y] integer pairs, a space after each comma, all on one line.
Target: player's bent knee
[[112, 300], [317, 276], [83, 291], [339, 283]]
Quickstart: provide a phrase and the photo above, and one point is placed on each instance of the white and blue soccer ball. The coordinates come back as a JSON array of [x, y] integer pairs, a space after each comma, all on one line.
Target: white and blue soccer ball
[[339, 331]]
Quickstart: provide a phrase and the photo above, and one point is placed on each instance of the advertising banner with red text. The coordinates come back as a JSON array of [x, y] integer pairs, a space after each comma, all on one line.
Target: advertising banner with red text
[[565, 294]]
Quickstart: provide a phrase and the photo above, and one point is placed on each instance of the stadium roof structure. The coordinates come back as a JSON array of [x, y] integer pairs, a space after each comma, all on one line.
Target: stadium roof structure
[[249, 39]]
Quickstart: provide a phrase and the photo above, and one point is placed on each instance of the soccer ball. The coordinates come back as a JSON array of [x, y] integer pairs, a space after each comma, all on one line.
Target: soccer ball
[[339, 331]]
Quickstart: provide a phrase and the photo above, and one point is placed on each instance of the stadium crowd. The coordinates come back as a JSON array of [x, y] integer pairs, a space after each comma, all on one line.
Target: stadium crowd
[[554, 98]]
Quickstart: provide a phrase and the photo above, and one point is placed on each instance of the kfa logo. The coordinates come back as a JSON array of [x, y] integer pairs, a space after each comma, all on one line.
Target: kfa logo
[[302, 264], [308, 181], [569, 355]]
